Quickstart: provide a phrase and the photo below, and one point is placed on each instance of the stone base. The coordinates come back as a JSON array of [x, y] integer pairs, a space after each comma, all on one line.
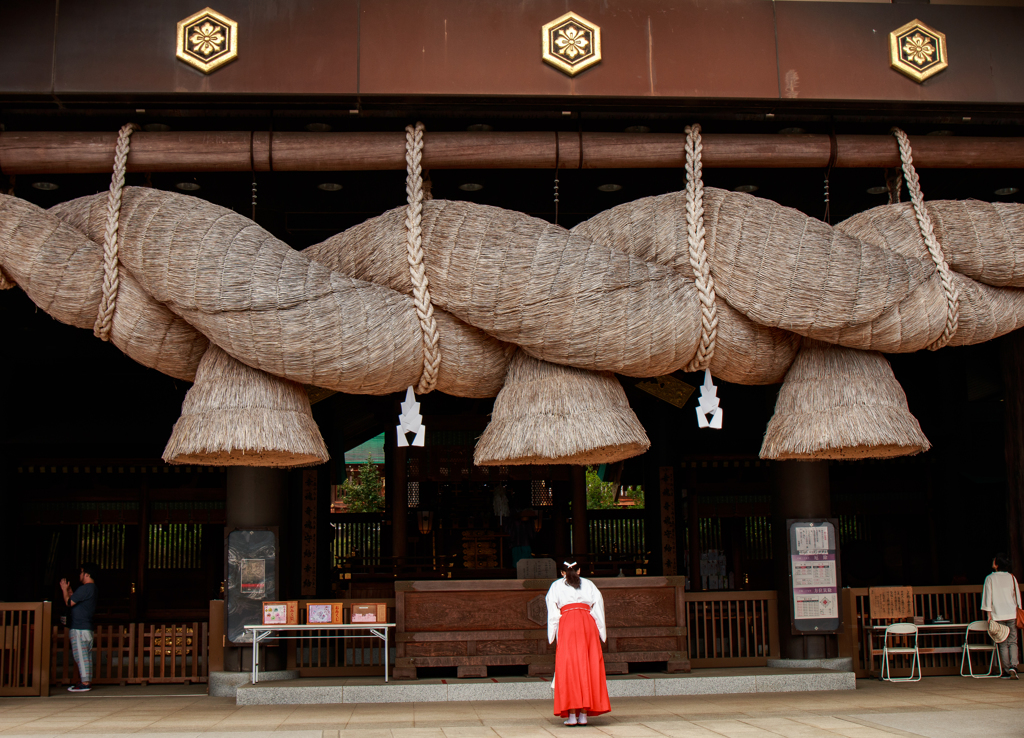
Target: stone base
[[225, 683], [701, 682], [844, 663]]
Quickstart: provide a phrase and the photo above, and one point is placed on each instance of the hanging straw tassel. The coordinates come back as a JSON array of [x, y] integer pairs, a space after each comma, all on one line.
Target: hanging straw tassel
[[235, 415], [840, 403], [552, 414]]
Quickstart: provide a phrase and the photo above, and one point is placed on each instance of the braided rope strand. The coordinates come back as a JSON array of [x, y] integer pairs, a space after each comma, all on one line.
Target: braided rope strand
[[111, 280], [924, 222], [417, 270], [698, 254]]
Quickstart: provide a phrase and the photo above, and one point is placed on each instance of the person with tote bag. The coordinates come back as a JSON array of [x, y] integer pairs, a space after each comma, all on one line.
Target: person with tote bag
[[576, 619], [1000, 599]]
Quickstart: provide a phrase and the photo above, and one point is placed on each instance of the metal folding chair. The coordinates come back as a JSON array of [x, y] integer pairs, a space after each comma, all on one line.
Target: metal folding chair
[[980, 626], [901, 630]]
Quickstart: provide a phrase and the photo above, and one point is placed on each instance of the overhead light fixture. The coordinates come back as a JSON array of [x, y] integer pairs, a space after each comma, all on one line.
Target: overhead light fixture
[[878, 190], [187, 186], [318, 127], [745, 188], [470, 187], [638, 129], [480, 127], [1004, 191], [609, 187], [329, 186], [45, 186], [791, 131], [156, 128]]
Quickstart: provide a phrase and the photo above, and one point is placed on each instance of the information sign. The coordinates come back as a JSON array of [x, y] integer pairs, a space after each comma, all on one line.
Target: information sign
[[891, 603], [814, 576]]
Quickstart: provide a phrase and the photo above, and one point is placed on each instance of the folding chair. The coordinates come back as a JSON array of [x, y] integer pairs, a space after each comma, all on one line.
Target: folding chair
[[900, 630], [979, 626]]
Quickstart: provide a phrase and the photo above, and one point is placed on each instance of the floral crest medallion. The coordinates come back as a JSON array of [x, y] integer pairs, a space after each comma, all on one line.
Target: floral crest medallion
[[571, 43], [917, 51], [207, 40]]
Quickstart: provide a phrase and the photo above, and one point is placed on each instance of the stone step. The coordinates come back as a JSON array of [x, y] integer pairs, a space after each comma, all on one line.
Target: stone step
[[356, 690]]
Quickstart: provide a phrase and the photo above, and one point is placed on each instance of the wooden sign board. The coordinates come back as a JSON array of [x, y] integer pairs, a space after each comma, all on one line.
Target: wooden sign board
[[891, 603], [536, 569]]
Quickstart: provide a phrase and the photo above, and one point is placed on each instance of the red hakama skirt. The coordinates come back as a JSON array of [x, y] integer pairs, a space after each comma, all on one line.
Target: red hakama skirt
[[580, 682]]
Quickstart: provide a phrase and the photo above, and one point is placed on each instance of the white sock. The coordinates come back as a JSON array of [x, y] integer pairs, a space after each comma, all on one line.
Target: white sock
[[572, 719], [583, 718]]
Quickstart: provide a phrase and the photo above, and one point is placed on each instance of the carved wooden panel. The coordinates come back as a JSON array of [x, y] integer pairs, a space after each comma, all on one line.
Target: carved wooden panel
[[487, 648], [470, 610], [631, 608], [646, 644], [436, 648]]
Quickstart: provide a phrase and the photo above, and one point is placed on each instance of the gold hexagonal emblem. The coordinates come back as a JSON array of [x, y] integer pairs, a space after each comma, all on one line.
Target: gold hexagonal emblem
[[571, 43], [207, 40], [917, 51]]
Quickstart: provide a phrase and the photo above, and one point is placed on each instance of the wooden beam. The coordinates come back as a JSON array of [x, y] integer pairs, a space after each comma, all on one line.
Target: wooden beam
[[59, 152]]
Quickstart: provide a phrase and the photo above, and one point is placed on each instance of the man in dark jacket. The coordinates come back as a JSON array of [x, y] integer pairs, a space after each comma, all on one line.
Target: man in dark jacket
[[82, 604]]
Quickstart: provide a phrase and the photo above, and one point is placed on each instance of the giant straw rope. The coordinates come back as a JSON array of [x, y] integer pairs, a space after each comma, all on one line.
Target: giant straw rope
[[440, 293]]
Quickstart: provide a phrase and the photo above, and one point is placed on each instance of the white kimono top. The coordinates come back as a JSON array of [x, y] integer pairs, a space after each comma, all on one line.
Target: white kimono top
[[561, 594]]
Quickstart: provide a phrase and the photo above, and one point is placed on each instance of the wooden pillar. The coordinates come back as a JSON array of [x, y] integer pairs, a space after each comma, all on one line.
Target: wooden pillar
[[578, 477], [1012, 350], [693, 520], [257, 497], [396, 485], [801, 491]]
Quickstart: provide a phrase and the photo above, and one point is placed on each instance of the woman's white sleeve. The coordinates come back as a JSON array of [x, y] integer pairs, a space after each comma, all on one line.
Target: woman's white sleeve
[[554, 613], [597, 610]]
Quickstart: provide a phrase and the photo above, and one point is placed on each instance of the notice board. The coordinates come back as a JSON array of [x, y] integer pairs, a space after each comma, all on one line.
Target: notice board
[[891, 603], [251, 578], [814, 576]]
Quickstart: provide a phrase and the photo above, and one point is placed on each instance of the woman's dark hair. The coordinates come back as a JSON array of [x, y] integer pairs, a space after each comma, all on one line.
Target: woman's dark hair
[[572, 575], [1003, 562]]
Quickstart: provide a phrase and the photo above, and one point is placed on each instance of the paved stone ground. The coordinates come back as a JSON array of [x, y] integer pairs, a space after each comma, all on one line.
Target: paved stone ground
[[936, 707]]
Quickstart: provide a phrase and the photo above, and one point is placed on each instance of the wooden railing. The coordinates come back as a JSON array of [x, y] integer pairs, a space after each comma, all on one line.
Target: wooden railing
[[616, 533], [940, 654], [24, 649], [732, 628], [323, 657], [137, 653]]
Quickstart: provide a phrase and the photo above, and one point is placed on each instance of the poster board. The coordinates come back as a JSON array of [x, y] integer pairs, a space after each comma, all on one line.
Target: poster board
[[891, 603], [814, 576], [251, 561]]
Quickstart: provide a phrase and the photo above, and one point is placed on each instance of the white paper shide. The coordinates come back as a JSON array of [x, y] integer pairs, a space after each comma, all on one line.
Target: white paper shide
[[411, 421]]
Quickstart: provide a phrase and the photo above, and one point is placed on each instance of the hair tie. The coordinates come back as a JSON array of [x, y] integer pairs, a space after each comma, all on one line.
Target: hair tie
[[568, 565]]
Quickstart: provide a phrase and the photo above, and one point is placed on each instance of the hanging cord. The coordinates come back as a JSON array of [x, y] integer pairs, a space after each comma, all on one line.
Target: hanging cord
[[698, 255], [557, 162], [252, 169], [833, 153], [111, 279], [6, 283], [924, 222], [417, 270], [894, 183]]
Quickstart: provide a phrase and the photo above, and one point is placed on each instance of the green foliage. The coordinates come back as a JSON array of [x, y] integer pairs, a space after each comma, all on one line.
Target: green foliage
[[637, 494], [600, 495], [363, 494]]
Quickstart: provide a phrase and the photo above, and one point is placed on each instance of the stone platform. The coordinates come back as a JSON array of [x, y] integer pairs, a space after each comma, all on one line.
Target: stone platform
[[356, 690]]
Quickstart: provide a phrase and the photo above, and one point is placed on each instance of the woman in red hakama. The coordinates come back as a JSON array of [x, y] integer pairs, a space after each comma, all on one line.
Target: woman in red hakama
[[576, 617]]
